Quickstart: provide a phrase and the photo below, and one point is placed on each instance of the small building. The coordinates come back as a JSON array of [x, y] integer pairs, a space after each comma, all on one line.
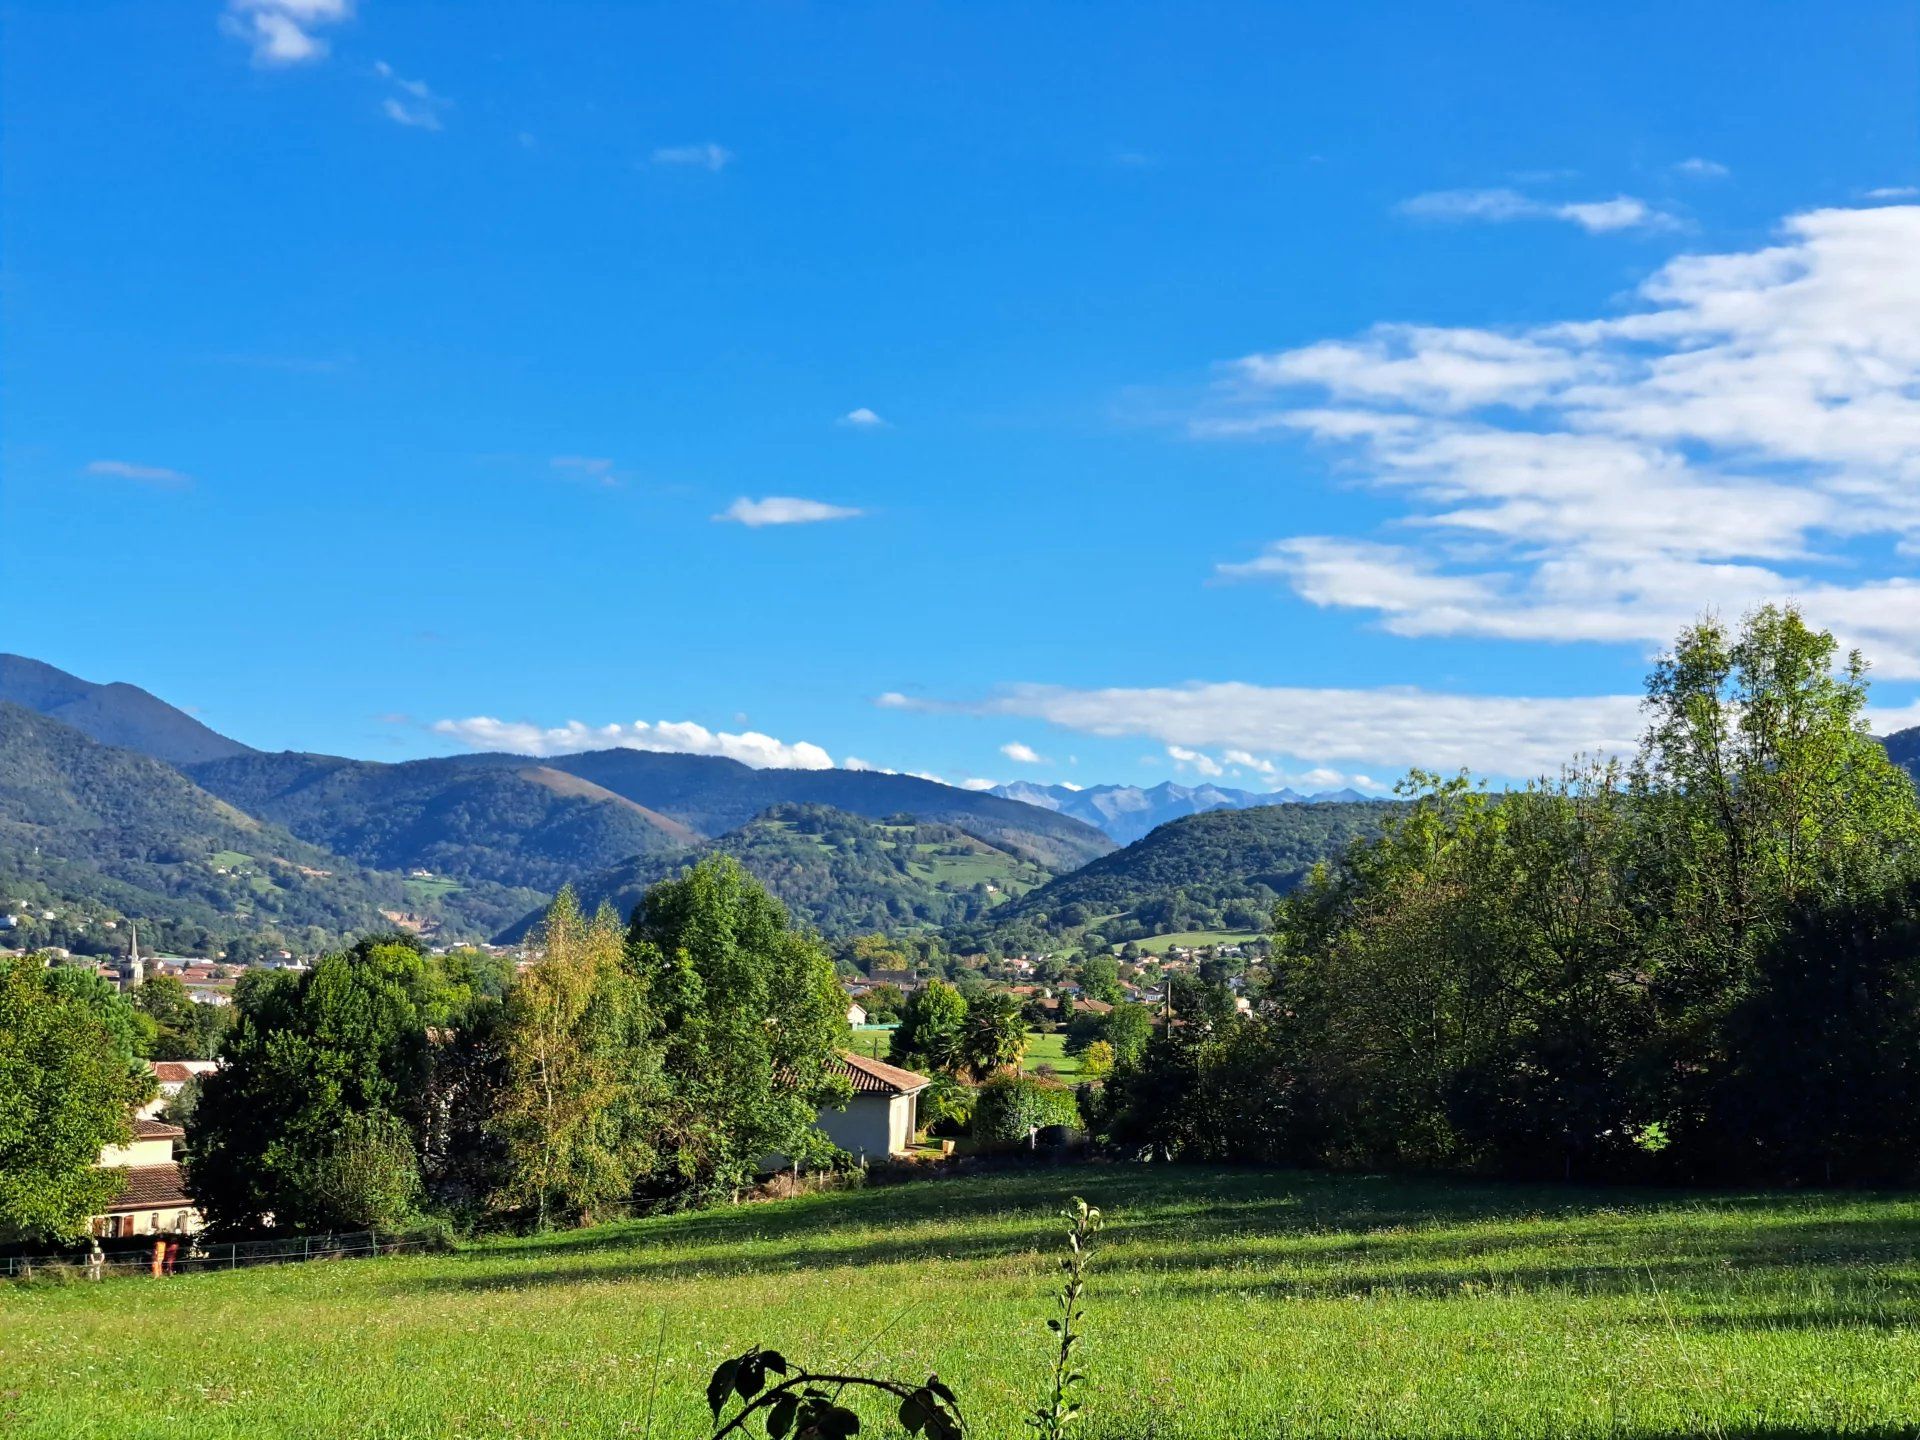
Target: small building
[[856, 1013], [884, 1114], [173, 1076], [154, 1200]]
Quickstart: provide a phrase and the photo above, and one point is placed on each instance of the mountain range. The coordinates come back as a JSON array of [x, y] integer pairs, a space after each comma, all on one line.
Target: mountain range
[[115, 804], [468, 844], [1126, 812]]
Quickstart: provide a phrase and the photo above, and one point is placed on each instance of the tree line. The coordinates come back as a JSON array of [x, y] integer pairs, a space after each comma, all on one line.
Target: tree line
[[1702, 964], [658, 1063]]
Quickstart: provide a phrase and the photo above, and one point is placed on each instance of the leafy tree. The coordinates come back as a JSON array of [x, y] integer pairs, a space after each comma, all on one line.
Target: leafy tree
[[932, 1029], [1010, 1107], [182, 1029], [1100, 978], [995, 1036], [1096, 1062], [581, 1072], [749, 1016], [68, 1086], [366, 1176], [306, 1052], [1127, 1028]]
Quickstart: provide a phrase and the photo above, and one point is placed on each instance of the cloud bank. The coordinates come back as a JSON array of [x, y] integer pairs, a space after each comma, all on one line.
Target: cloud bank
[[673, 737], [1748, 431]]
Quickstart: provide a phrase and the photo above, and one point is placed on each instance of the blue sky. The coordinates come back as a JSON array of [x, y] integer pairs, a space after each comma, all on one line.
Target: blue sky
[[1074, 393]]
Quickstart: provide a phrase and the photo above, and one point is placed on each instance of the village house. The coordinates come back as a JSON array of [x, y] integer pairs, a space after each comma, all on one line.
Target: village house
[[856, 1013], [154, 1200], [883, 1116], [173, 1076]]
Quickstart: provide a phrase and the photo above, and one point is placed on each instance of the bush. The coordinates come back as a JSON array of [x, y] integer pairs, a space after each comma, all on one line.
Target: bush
[[946, 1107], [1011, 1107]]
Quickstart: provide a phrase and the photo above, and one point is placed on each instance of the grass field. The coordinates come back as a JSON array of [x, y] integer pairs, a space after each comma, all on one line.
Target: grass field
[[1043, 1049], [1223, 1304], [1193, 939], [423, 892]]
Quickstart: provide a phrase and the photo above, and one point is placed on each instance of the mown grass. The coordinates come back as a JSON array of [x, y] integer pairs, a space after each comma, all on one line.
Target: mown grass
[[1193, 940], [1224, 1304], [1050, 1048]]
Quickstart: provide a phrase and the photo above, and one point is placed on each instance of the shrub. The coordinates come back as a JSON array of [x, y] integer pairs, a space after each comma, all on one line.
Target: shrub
[[1011, 1107], [946, 1107]]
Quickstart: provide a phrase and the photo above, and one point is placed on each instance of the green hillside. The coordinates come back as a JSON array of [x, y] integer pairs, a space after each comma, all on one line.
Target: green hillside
[[1221, 1305], [714, 796], [119, 834], [526, 825], [841, 873], [1221, 870]]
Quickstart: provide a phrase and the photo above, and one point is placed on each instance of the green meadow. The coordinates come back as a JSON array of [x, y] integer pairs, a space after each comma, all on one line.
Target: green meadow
[[1050, 1048], [1224, 1303]]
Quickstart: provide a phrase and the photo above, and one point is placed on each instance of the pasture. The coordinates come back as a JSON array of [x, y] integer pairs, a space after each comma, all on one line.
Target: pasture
[[1224, 1304]]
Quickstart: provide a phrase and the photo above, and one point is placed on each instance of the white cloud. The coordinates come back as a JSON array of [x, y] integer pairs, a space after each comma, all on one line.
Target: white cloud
[[705, 156], [1748, 431], [413, 104], [284, 32], [1390, 728], [1022, 754], [975, 783], [1698, 168], [676, 737], [1895, 192], [1185, 759], [784, 510], [157, 475], [1495, 206], [863, 419]]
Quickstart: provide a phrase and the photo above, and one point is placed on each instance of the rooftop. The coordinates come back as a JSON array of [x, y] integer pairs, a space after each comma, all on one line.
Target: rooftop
[[151, 1187], [876, 1077]]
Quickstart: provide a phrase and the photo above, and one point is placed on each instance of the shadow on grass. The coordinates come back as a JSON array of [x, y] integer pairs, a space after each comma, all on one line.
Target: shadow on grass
[[1205, 1231]]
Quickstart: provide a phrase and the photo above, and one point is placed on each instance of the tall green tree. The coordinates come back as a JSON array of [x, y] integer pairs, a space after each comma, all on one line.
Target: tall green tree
[[306, 1052], [749, 1017], [932, 1030], [581, 1072], [68, 1086]]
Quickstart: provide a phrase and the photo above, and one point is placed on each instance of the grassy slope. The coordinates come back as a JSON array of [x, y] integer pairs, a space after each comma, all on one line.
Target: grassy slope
[[1050, 1049], [1224, 1304]]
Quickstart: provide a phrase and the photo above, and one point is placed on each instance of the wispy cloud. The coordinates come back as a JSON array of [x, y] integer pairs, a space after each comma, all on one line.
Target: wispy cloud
[[1387, 729], [156, 475], [862, 419], [1750, 430], [1022, 754], [676, 737], [705, 156], [284, 32], [1495, 206], [784, 510], [1696, 167], [412, 103], [596, 469], [1895, 192]]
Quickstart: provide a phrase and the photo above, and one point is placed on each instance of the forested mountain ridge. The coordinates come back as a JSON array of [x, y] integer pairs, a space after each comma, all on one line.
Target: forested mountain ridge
[[118, 714], [714, 795], [1221, 869], [840, 873], [526, 825], [1903, 748], [86, 822]]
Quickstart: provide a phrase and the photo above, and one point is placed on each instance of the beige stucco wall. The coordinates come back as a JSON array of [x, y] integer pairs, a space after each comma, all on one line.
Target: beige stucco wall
[[137, 1155], [873, 1126]]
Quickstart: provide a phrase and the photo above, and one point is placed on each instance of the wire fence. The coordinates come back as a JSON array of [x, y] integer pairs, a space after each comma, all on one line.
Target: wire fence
[[160, 1258]]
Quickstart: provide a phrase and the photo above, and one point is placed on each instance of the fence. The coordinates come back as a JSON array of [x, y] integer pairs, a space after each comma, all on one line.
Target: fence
[[193, 1255]]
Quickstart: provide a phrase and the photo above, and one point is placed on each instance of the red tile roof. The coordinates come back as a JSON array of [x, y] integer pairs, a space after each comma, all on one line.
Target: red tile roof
[[151, 1187], [157, 1130], [876, 1077]]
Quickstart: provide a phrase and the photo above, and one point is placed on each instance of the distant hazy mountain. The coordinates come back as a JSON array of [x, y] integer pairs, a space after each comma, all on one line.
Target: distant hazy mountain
[[838, 872], [1904, 747], [1126, 812], [122, 715]]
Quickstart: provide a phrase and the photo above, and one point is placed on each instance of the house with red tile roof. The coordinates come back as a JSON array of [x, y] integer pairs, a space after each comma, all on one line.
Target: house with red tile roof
[[154, 1200]]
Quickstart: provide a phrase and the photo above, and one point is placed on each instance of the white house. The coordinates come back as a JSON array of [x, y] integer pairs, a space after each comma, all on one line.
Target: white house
[[856, 1013], [884, 1113]]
